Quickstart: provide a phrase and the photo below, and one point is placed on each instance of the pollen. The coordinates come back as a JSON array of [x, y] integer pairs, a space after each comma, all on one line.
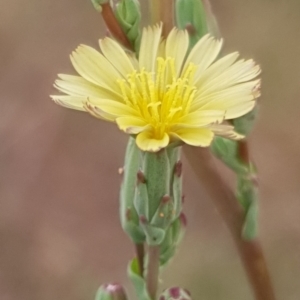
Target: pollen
[[160, 98]]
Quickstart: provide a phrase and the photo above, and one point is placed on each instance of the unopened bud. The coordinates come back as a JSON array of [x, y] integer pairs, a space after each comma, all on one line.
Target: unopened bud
[[190, 15], [111, 291], [175, 293], [129, 16]]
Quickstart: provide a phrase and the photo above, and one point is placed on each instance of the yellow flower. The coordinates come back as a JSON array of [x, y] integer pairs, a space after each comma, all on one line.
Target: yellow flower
[[165, 95]]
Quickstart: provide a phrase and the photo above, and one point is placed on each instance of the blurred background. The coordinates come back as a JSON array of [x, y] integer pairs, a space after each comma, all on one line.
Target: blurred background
[[60, 236]]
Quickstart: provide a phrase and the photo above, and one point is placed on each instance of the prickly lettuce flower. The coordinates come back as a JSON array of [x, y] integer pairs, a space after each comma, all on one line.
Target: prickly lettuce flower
[[166, 95]]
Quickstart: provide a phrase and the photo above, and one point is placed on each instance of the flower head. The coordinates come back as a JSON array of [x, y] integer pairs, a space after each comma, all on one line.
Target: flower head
[[166, 94]]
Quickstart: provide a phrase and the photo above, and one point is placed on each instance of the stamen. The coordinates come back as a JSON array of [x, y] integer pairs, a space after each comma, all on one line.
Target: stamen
[[160, 99]]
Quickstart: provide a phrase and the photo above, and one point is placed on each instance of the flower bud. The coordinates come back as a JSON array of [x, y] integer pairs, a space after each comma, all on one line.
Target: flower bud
[[158, 198], [151, 197], [111, 291], [129, 16], [190, 14], [175, 293]]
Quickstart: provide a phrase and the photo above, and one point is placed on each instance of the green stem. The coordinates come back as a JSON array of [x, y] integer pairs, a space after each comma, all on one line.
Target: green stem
[[153, 271]]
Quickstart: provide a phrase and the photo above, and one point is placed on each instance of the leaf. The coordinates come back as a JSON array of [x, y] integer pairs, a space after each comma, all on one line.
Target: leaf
[[250, 227], [138, 282]]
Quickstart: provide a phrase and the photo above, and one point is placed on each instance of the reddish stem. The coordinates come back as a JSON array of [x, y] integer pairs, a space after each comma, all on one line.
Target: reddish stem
[[113, 25], [167, 16], [140, 253], [250, 251], [163, 11], [243, 152], [153, 271]]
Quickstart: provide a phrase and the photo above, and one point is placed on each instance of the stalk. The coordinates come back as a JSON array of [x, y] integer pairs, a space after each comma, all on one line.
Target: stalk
[[163, 11], [140, 253], [153, 271], [114, 26], [250, 251]]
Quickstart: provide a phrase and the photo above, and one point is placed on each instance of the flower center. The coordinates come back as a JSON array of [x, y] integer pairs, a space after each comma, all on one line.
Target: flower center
[[160, 98]]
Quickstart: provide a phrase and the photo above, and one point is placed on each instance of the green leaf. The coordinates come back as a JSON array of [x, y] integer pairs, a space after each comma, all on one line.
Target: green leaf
[[156, 168], [154, 235], [247, 194], [137, 281], [141, 199], [227, 151], [250, 227], [128, 215], [172, 240], [245, 124]]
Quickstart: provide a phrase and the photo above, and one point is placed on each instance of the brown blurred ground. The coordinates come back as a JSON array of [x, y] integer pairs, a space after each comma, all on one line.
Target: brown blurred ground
[[59, 230]]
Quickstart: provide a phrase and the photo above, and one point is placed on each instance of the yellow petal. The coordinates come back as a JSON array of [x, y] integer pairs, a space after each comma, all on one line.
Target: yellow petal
[[239, 110], [147, 142], [78, 86], [94, 67], [236, 100], [72, 102], [132, 57], [202, 117], [201, 137], [204, 53], [162, 48], [116, 56], [97, 113], [216, 68], [239, 72], [112, 108], [226, 131], [149, 47], [236, 90], [176, 46], [132, 125]]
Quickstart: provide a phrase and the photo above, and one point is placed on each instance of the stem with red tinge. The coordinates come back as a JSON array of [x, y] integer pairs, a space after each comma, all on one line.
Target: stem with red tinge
[[113, 25]]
